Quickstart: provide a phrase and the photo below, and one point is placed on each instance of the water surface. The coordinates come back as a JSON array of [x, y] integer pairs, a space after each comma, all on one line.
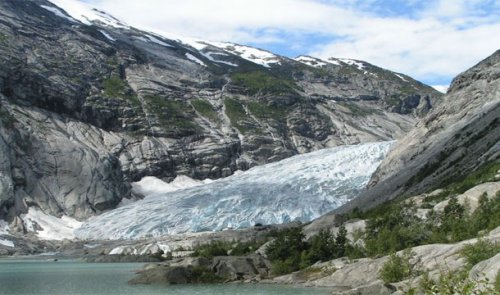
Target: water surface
[[73, 277]]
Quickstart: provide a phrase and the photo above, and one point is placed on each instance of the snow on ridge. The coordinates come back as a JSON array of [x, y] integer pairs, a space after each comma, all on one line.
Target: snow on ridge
[[311, 61], [57, 12], [257, 56], [85, 14], [195, 59], [157, 41], [302, 188], [401, 77], [209, 55], [52, 228], [353, 62], [108, 36]]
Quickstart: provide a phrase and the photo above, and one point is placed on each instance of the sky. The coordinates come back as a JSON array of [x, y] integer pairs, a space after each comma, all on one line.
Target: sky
[[430, 40]]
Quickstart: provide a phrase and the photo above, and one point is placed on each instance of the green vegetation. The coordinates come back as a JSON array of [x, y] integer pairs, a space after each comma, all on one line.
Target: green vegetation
[[497, 282], [203, 275], [482, 250], [451, 283], [485, 173], [115, 87], [262, 82], [236, 114], [264, 111], [395, 226], [221, 248], [172, 114], [398, 268], [290, 252], [205, 109]]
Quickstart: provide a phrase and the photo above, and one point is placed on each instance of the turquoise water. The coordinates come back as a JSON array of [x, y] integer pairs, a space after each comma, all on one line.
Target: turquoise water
[[71, 277]]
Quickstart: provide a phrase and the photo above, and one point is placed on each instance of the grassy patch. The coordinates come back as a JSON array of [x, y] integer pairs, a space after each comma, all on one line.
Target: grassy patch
[[263, 82], [236, 114], [484, 174], [172, 114], [115, 87], [3, 38], [205, 109], [454, 283], [264, 111], [480, 251]]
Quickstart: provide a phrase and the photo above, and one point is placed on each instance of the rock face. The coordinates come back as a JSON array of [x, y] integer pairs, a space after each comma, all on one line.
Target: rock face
[[90, 104], [460, 135]]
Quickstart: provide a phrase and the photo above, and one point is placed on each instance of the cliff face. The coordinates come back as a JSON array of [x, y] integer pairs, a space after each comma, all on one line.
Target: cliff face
[[89, 104], [457, 137]]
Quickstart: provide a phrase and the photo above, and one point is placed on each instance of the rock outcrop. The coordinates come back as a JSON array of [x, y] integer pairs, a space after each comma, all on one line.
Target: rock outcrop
[[457, 137], [90, 104]]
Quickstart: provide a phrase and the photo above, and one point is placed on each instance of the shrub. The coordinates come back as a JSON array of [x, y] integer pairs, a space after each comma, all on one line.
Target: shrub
[[398, 267], [203, 275], [215, 248], [454, 283], [259, 81], [482, 250], [205, 109], [497, 282], [115, 87]]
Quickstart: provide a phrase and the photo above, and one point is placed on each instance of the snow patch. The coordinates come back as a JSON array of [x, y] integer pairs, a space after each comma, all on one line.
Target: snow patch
[[302, 188], [151, 185], [4, 228], [209, 56], [311, 61], [6, 243], [85, 14], [441, 88], [57, 12], [48, 227], [401, 77], [257, 56], [108, 36], [195, 59], [157, 41], [352, 62]]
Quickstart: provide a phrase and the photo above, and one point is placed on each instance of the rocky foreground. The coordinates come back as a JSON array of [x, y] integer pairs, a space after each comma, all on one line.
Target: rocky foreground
[[343, 275]]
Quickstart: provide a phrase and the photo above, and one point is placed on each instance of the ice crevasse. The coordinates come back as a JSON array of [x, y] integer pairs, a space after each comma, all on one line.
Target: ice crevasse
[[302, 188]]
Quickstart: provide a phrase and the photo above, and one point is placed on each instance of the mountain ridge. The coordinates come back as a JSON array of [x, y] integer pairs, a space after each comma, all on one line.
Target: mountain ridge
[[132, 104]]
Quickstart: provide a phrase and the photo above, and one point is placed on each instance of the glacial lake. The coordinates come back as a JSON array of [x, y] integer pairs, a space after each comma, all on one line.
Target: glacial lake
[[73, 277]]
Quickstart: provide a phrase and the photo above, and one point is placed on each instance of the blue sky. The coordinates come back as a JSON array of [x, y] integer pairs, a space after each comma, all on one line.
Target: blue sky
[[430, 40]]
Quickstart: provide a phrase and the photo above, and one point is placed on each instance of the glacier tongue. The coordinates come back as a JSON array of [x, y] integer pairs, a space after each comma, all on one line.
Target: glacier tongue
[[302, 188]]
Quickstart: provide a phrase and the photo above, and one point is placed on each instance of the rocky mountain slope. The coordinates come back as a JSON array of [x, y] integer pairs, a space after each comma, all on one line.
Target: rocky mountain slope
[[459, 136], [89, 104]]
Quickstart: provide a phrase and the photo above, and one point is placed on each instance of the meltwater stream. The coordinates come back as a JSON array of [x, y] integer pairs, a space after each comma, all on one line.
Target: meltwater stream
[[302, 188]]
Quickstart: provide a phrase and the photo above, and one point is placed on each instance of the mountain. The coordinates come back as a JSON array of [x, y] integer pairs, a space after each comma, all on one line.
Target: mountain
[[455, 139], [90, 104]]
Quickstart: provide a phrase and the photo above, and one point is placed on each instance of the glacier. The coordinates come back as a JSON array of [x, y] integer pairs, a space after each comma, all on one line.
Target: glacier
[[300, 188]]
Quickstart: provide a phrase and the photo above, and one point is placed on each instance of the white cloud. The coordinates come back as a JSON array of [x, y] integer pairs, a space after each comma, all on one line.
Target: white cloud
[[434, 43]]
